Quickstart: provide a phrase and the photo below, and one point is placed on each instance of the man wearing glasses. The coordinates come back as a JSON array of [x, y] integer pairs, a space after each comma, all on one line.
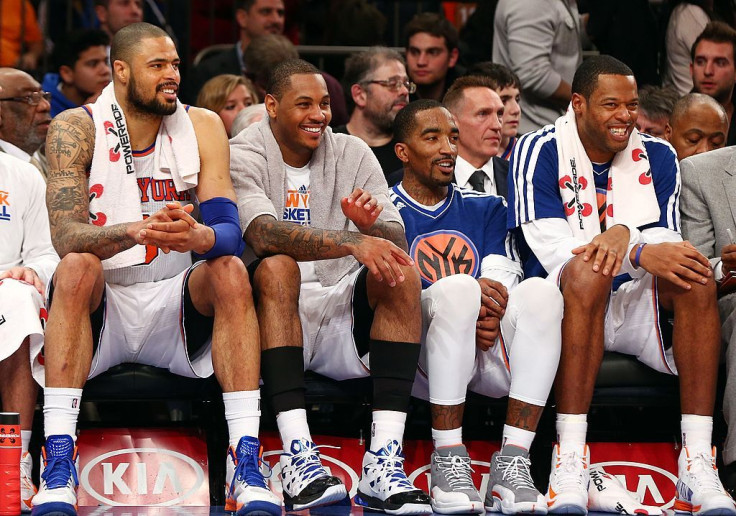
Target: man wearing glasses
[[376, 89], [25, 119]]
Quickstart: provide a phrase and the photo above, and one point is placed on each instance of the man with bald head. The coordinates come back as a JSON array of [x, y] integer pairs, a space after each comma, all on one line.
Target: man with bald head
[[25, 119], [698, 124]]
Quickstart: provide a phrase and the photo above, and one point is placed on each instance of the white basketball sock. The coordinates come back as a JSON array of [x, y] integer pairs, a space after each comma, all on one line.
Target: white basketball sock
[[571, 432], [25, 439], [242, 413], [61, 411], [513, 436], [451, 437], [388, 425], [697, 432], [293, 426]]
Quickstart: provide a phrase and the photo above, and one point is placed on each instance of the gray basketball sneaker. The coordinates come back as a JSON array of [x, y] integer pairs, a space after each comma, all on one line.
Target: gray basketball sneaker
[[452, 490], [510, 488]]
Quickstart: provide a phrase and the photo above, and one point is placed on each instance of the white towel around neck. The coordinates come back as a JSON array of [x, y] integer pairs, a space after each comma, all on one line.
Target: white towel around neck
[[631, 198], [113, 187]]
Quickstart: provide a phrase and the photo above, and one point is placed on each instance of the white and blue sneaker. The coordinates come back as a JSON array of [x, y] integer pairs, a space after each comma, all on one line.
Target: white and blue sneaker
[[246, 490], [699, 489], [57, 494], [305, 481], [384, 487]]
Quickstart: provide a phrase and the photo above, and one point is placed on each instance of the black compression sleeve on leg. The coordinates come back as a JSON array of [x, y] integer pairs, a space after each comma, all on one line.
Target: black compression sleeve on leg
[[282, 370], [393, 366]]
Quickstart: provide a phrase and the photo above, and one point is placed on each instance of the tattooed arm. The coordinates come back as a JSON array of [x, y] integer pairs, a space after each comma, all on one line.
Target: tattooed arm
[[267, 236], [392, 231], [69, 148], [363, 210]]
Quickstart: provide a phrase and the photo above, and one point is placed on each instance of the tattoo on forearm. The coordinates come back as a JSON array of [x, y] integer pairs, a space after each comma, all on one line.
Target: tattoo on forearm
[[447, 417], [391, 231], [267, 236], [69, 148], [523, 415]]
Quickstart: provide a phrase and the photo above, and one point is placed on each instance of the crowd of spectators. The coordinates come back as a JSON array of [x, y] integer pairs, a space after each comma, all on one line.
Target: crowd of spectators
[[528, 81]]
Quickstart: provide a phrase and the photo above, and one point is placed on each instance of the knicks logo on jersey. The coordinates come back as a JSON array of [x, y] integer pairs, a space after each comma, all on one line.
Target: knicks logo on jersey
[[443, 253]]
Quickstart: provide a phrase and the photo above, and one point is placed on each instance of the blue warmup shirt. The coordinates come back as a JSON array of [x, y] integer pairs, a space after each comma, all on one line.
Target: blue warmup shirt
[[534, 191], [456, 235]]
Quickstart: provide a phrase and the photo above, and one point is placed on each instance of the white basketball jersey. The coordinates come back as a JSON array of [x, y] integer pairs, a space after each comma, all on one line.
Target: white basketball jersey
[[154, 194]]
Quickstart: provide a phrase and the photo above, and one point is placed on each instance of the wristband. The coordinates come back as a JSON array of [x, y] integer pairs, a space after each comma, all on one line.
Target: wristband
[[637, 256]]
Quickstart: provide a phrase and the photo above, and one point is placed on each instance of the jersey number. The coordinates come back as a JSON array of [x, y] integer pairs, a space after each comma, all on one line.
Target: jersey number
[[151, 250]]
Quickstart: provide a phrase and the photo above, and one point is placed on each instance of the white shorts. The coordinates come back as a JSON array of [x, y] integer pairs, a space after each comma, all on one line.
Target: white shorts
[[22, 314], [633, 325], [326, 315], [143, 323]]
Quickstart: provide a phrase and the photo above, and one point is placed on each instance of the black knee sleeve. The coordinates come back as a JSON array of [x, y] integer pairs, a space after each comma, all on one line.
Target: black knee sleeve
[[393, 366], [282, 370]]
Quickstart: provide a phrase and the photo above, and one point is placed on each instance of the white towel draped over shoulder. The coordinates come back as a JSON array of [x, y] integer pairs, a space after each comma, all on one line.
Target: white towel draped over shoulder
[[113, 189], [631, 199]]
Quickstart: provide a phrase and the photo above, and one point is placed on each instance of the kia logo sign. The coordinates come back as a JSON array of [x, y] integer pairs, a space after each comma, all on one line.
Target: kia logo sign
[[653, 485], [142, 476], [333, 466]]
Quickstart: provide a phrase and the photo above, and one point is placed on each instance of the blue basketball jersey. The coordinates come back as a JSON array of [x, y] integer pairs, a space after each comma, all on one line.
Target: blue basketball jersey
[[455, 236]]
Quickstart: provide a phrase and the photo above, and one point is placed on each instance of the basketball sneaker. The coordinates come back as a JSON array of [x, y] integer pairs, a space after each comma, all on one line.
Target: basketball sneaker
[[699, 490], [27, 489], [384, 487], [451, 488], [305, 481], [246, 491], [511, 488], [568, 482], [58, 490]]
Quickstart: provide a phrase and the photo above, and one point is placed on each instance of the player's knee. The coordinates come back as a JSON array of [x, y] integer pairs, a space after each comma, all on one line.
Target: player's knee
[[700, 294], [277, 277], [581, 285], [411, 287], [543, 299], [228, 275], [77, 275], [459, 298]]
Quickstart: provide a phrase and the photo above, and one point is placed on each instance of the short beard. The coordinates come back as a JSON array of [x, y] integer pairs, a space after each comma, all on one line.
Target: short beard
[[382, 120], [152, 106]]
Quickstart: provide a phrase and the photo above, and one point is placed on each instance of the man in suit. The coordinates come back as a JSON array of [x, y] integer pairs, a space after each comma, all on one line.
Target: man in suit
[[478, 112], [255, 18], [708, 209]]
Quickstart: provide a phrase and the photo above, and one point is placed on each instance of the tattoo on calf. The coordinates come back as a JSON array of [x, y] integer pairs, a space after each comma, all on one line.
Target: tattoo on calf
[[447, 417]]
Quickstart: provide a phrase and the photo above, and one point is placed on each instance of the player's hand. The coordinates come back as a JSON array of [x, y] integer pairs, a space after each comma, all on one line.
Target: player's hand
[[486, 332], [382, 257], [24, 274], [493, 297], [678, 262], [607, 250], [174, 229], [728, 258], [361, 208]]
